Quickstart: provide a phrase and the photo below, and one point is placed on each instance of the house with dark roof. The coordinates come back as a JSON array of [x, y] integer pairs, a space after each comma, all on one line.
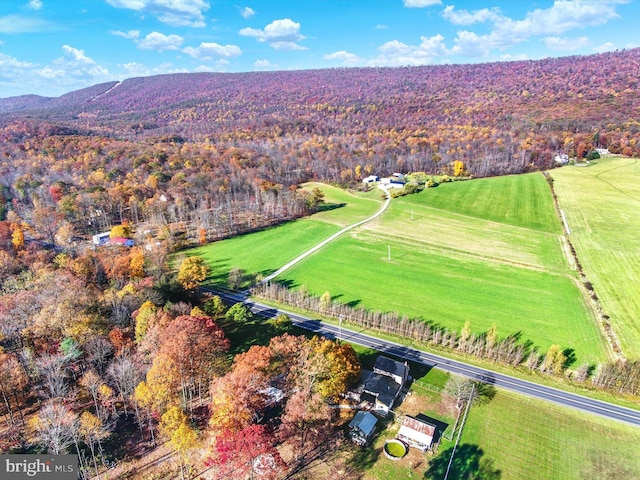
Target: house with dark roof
[[383, 386], [362, 427], [417, 433]]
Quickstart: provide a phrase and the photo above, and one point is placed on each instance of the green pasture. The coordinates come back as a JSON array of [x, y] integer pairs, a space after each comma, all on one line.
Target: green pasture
[[519, 200], [265, 251], [487, 250], [602, 206], [537, 440], [452, 261], [447, 290]]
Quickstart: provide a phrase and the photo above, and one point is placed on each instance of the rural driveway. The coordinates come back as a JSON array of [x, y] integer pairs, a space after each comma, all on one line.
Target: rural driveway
[[330, 239]]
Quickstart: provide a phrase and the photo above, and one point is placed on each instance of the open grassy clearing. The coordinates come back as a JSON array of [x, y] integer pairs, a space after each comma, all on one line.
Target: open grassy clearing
[[412, 218], [423, 282], [602, 205], [519, 200], [532, 439], [447, 266], [450, 261], [352, 207], [265, 251]]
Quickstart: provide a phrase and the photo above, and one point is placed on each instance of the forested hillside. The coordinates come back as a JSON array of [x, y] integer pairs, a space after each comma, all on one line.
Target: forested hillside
[[221, 151]]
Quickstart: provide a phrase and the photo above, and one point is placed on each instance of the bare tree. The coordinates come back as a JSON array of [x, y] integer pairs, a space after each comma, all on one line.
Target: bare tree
[[125, 374], [54, 425], [53, 374]]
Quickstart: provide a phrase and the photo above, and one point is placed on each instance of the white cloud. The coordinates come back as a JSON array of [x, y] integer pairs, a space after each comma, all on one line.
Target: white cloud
[[348, 59], [380, 27], [470, 44], [286, 46], [159, 42], [35, 4], [208, 51], [74, 65], [463, 17], [21, 24], [77, 55], [562, 16], [566, 44], [396, 53], [513, 58], [131, 34], [605, 47], [264, 65], [217, 66], [8, 62], [134, 69], [173, 12], [247, 12], [420, 3], [281, 34]]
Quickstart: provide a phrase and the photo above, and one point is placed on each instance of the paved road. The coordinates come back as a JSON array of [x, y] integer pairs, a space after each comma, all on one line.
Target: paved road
[[524, 387]]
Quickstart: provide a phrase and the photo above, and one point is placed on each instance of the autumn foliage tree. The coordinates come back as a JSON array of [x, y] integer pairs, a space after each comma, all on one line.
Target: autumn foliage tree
[[247, 453], [192, 272]]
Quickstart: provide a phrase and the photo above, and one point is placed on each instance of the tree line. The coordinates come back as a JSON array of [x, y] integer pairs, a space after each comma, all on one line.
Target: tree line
[[620, 377]]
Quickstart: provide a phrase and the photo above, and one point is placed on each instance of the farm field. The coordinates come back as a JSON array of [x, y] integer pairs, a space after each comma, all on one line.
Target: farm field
[[265, 251], [451, 263], [536, 440], [602, 206]]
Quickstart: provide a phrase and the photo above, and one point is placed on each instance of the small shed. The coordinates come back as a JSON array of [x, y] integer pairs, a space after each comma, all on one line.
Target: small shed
[[101, 238], [361, 428], [417, 433]]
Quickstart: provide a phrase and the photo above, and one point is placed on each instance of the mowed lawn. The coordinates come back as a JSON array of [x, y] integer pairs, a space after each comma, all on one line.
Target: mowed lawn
[[452, 262], [536, 440], [602, 205], [265, 251]]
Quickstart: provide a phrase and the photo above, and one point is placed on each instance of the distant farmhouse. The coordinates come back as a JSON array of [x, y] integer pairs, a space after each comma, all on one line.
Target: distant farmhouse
[[561, 159], [394, 181], [370, 179], [106, 239], [383, 386]]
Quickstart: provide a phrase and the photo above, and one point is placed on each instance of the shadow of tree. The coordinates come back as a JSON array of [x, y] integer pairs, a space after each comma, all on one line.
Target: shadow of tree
[[364, 458], [486, 393], [570, 355], [468, 464], [325, 207]]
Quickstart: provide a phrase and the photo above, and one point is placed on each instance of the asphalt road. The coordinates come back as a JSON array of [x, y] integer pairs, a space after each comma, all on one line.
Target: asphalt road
[[571, 400]]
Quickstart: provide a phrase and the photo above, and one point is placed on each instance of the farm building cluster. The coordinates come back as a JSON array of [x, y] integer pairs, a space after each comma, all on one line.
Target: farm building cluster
[[378, 393]]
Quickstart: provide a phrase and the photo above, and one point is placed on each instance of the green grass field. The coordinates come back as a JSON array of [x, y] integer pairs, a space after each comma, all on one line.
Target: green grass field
[[452, 261], [265, 251], [536, 440], [602, 205], [488, 251]]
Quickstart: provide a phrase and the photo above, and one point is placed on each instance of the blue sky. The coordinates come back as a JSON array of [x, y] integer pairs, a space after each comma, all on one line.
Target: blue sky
[[51, 47]]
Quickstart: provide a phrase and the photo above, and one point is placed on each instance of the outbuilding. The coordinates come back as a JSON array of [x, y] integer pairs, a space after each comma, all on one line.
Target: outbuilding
[[417, 433], [362, 427]]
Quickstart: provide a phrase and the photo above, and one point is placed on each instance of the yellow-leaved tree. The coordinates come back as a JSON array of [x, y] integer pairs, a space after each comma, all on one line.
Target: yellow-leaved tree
[[192, 271]]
